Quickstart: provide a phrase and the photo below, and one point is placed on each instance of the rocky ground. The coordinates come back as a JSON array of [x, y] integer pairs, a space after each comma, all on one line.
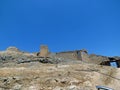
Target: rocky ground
[[35, 74]]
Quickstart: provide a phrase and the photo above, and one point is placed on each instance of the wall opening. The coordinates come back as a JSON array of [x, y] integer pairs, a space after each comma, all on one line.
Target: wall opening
[[114, 64]]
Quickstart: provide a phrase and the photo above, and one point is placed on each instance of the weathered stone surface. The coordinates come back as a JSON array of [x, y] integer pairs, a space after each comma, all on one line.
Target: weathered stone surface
[[75, 55], [67, 77], [97, 59], [44, 51], [26, 71], [13, 49]]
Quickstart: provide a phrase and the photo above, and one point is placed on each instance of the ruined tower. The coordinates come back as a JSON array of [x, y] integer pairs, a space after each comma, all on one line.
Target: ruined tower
[[82, 55], [44, 51]]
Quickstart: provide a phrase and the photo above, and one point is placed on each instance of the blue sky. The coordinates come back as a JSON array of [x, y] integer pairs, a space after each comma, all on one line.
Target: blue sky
[[61, 24]]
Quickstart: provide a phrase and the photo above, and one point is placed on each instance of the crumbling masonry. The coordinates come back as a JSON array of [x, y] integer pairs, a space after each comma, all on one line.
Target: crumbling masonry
[[81, 55], [43, 51]]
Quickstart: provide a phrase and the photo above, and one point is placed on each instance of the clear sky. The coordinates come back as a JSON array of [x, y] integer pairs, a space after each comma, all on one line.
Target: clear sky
[[61, 24]]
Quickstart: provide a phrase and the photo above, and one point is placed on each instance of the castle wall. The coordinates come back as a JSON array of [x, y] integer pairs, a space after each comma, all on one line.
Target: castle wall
[[75, 55], [97, 59], [67, 55]]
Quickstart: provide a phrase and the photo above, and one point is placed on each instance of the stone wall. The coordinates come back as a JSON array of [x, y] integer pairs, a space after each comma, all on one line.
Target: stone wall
[[67, 55], [97, 59], [75, 55]]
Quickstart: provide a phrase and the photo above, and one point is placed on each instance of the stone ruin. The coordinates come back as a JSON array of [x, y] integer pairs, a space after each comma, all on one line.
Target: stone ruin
[[74, 55], [44, 51], [81, 55], [45, 56]]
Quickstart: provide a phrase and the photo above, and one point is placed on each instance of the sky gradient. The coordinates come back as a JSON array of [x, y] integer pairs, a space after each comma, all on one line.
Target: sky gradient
[[61, 24]]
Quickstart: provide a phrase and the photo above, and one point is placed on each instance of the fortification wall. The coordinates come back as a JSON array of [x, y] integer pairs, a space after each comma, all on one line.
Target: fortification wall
[[67, 55], [96, 59], [75, 55]]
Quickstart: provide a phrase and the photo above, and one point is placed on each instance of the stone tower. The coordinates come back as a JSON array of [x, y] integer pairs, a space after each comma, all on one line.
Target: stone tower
[[44, 51]]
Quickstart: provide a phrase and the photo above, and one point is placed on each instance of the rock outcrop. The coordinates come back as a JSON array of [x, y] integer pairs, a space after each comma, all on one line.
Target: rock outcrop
[[29, 71], [13, 49]]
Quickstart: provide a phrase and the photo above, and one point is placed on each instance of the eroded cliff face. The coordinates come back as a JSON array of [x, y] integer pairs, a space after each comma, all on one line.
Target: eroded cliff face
[[25, 71]]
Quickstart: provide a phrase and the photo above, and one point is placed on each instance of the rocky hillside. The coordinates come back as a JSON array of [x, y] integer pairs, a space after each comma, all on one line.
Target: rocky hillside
[[25, 71]]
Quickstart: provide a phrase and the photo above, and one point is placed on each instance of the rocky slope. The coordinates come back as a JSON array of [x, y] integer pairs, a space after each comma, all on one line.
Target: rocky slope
[[62, 75]]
